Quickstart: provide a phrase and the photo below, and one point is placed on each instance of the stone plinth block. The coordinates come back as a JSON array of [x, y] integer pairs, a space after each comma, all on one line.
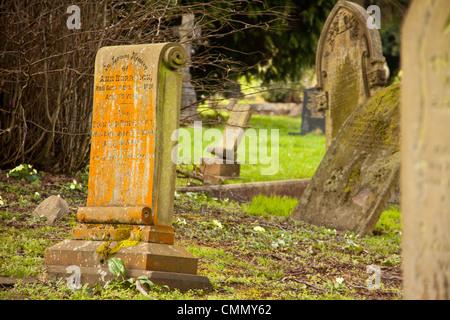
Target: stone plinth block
[[170, 262], [154, 234], [213, 168], [180, 281]]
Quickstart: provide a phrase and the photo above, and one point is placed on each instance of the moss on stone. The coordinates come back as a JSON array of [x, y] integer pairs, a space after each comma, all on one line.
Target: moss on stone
[[122, 238], [120, 244], [352, 178], [122, 233], [103, 249]]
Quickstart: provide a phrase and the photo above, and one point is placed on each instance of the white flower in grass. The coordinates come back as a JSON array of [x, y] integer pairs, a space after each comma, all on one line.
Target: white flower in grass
[[217, 224], [259, 229]]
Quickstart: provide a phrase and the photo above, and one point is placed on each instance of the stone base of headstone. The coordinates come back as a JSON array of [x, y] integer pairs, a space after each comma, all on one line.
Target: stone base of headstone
[[96, 231], [215, 168], [163, 264], [182, 282]]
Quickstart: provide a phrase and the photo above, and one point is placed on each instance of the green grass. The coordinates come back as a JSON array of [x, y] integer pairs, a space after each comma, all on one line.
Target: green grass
[[390, 221], [298, 156], [250, 251], [295, 157], [275, 205], [246, 254]]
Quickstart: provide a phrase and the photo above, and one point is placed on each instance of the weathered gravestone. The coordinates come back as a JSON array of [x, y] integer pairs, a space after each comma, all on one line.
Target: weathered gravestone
[[226, 165], [360, 170], [425, 131], [349, 64], [131, 176], [312, 119]]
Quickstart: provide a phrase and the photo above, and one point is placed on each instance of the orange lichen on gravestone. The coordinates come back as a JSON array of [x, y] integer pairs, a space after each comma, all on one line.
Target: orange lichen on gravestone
[[136, 109], [123, 146]]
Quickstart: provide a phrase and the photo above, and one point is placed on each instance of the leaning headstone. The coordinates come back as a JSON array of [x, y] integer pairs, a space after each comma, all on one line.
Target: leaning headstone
[[312, 119], [233, 132], [425, 131], [128, 213], [349, 64], [360, 170], [225, 165], [53, 208]]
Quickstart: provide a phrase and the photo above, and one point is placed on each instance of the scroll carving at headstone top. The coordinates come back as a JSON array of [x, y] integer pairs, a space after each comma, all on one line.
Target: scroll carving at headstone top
[[128, 214], [350, 66]]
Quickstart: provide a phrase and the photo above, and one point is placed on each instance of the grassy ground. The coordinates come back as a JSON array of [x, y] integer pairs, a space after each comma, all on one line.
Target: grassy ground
[[295, 157], [249, 251]]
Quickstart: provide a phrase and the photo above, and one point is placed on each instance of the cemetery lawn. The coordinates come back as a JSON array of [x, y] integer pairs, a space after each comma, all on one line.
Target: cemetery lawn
[[297, 157], [247, 252]]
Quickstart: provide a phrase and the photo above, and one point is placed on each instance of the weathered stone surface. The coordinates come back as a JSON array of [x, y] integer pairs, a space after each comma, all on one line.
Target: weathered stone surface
[[358, 174], [312, 119], [225, 165], [349, 64], [244, 192], [214, 168], [425, 131], [53, 208], [131, 176], [97, 231], [136, 109], [162, 264], [140, 256], [94, 275]]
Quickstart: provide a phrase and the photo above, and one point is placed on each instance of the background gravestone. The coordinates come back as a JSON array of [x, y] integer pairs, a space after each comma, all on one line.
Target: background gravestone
[[233, 132], [350, 66], [425, 130], [312, 119], [187, 31], [128, 214], [225, 164], [360, 170]]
